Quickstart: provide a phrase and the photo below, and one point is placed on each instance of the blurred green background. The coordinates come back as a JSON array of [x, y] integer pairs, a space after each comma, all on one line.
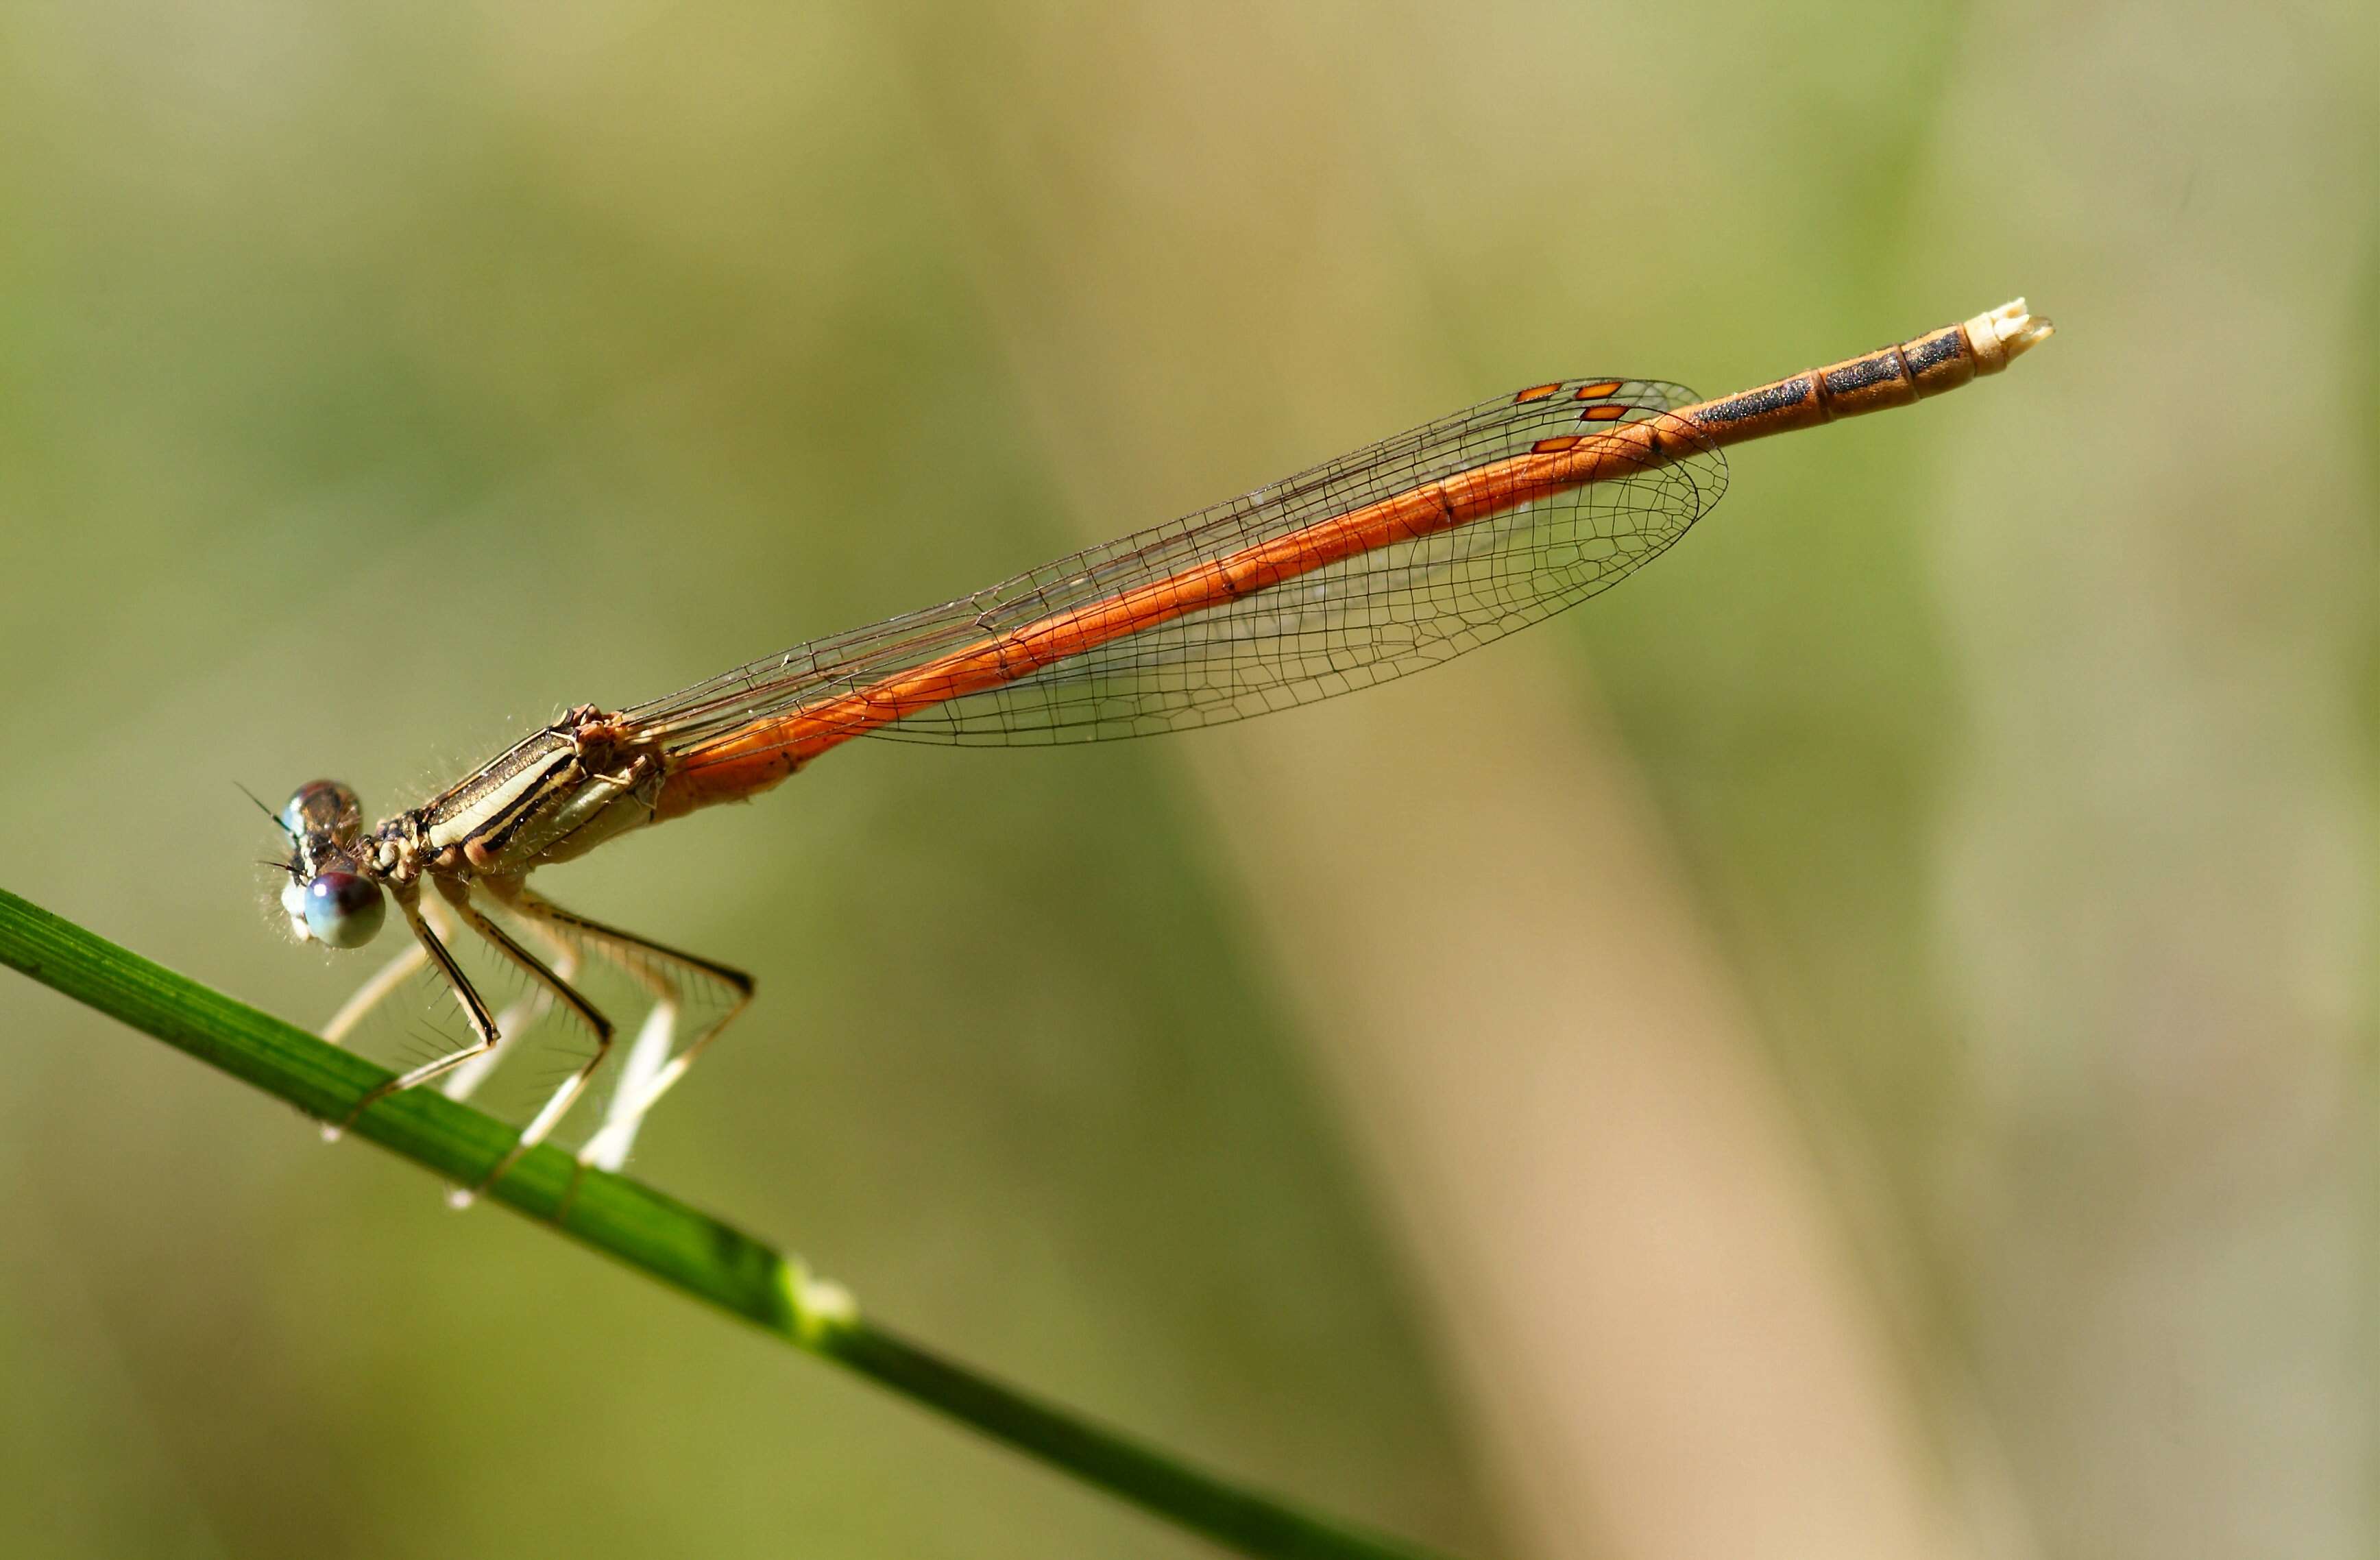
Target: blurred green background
[[1859, 1043]]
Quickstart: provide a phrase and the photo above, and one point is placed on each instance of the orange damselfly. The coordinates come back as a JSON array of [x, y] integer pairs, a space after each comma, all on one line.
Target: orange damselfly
[[1383, 562]]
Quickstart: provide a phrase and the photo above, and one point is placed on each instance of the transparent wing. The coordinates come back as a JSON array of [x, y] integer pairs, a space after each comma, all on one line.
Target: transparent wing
[[1346, 625]]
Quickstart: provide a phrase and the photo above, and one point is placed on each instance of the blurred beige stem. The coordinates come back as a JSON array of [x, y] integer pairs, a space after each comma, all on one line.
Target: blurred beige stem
[[1641, 1287], [1652, 1314], [1651, 1310]]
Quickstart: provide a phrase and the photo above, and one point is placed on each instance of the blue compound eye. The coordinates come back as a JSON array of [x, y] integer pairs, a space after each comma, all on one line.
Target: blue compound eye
[[343, 908]]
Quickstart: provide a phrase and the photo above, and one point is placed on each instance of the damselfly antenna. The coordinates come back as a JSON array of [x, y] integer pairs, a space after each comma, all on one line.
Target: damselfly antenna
[[277, 822]]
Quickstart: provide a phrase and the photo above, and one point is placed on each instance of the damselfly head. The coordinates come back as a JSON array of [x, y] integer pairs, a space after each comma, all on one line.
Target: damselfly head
[[329, 898]]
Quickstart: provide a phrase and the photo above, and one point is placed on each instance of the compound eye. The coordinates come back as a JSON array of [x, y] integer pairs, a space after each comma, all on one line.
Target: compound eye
[[324, 807], [343, 908]]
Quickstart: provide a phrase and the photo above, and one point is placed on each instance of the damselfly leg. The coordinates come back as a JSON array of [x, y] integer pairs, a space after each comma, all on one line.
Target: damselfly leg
[[483, 1024], [652, 1071], [518, 1018], [654, 1064], [390, 979]]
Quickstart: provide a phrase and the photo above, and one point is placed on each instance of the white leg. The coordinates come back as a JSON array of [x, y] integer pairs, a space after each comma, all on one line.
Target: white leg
[[409, 902], [375, 991], [638, 957], [608, 1149], [515, 1021], [628, 1109], [563, 1097]]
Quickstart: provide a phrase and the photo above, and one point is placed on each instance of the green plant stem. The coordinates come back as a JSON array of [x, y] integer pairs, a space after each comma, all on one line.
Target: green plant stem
[[652, 1233]]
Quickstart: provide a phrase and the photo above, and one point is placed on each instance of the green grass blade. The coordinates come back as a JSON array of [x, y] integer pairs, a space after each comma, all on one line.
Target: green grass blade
[[642, 1228]]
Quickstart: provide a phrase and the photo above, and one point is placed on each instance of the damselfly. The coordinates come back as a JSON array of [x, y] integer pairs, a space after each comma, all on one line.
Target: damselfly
[[1383, 562]]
